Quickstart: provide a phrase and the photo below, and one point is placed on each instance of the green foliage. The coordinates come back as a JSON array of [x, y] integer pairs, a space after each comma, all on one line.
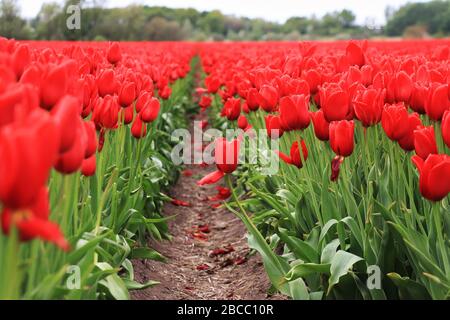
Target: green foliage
[[434, 15]]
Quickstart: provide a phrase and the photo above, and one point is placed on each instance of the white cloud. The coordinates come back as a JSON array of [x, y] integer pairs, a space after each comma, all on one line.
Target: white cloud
[[274, 10]]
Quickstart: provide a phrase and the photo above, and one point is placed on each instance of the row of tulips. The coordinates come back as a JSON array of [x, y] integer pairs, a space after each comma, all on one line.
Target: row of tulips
[[81, 174], [364, 130]]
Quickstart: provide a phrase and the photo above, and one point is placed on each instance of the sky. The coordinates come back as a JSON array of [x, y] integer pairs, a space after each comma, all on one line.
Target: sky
[[272, 10]]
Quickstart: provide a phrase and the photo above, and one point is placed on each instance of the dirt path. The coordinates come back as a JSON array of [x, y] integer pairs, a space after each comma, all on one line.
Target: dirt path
[[233, 275]]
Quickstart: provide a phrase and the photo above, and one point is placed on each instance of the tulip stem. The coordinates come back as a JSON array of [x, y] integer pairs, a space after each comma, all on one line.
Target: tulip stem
[[436, 209]]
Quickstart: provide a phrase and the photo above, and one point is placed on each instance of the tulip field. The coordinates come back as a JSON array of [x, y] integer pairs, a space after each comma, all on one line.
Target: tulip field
[[357, 208]]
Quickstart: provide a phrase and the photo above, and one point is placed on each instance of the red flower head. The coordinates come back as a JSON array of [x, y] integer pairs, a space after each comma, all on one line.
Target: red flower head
[[321, 125], [28, 150], [242, 122], [437, 101], [142, 100], [205, 102], [150, 111], [227, 154], [295, 158], [253, 99], [212, 84], [418, 97], [138, 129], [401, 87], [273, 126], [445, 127], [232, 108], [71, 160], [355, 54], [368, 106], [394, 120], [434, 176], [342, 137], [165, 92], [91, 135], [334, 101], [425, 142], [32, 221], [294, 112], [128, 114], [407, 141], [65, 114], [53, 86], [114, 55], [127, 94], [89, 166], [106, 83], [268, 98]]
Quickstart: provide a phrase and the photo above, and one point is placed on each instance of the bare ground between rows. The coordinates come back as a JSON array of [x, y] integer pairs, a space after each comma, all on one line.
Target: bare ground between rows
[[178, 276]]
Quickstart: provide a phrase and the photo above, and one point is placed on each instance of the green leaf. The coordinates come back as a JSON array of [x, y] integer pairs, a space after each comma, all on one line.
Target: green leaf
[[133, 285], [341, 263], [147, 253], [306, 269], [409, 289]]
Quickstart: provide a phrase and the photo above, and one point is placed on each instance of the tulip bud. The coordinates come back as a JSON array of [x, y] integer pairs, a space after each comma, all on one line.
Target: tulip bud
[[114, 55], [342, 137], [425, 142], [434, 174]]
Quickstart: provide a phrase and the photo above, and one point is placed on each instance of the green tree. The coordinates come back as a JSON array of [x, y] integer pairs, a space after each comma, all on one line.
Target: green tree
[[11, 24]]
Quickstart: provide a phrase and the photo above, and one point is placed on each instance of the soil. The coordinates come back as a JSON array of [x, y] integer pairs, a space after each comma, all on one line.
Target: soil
[[235, 275]]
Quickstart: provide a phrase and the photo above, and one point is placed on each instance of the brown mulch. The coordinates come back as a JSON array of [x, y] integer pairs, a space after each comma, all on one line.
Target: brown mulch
[[202, 265]]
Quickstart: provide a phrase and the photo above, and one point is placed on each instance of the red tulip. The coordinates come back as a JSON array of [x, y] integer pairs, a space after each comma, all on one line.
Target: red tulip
[[89, 166], [33, 146], [53, 87], [65, 113], [342, 137], [434, 176], [273, 126], [418, 97], [21, 59], [394, 120], [445, 128], [32, 221], [128, 114], [205, 102], [407, 141], [321, 125], [212, 84], [138, 129], [106, 83], [425, 142], [368, 106], [252, 99], [355, 54], [401, 85], [114, 54], [335, 102], [227, 154], [91, 142], [437, 101], [127, 94], [165, 92], [232, 108], [268, 98], [142, 100], [294, 112], [242, 122], [295, 158], [150, 111], [71, 160]]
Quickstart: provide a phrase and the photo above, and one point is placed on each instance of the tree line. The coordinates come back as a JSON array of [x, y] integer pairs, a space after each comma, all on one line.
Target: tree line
[[138, 22]]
